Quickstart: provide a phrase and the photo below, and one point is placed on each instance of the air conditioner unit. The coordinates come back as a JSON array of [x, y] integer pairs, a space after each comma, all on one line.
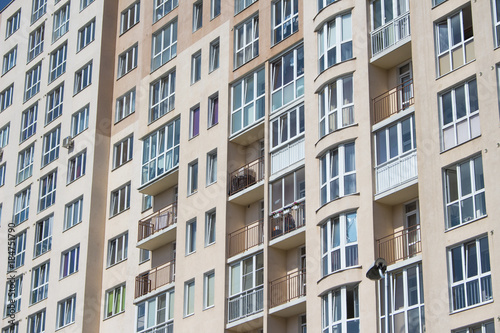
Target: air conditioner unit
[[67, 142]]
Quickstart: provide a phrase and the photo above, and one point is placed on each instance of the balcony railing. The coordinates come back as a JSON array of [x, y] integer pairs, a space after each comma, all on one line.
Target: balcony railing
[[393, 101], [246, 176], [154, 279], [245, 238], [245, 304], [401, 245], [396, 171], [287, 288], [157, 221], [287, 221], [167, 327], [390, 33], [287, 155]]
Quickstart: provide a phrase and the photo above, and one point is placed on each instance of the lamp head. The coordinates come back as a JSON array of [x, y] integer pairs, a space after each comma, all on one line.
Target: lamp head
[[377, 270]]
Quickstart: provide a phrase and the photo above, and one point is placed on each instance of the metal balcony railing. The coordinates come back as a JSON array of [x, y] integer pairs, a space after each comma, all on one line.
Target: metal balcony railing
[[401, 245], [245, 238], [246, 176], [155, 278], [287, 221], [167, 327], [245, 304], [287, 288], [390, 33], [393, 101], [157, 221]]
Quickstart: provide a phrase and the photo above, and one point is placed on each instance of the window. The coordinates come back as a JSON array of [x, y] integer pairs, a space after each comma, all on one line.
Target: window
[[22, 205], [61, 22], [122, 151], [13, 23], [47, 190], [20, 251], [211, 167], [144, 255], [288, 190], [496, 21], [2, 174], [188, 298], [213, 110], [120, 200], [340, 309], [28, 122], [405, 300], [115, 301], [190, 237], [54, 104], [36, 322], [160, 151], [386, 11], [464, 192], [208, 289], [69, 261], [39, 282], [194, 122], [147, 202], [246, 41], [43, 236], [196, 67], [35, 42], [339, 243], [164, 45], [6, 97], [214, 55], [130, 17], [32, 83], [76, 166], [193, 177], [83, 78], [80, 121], [4, 135], [73, 213], [12, 328], [470, 274], [163, 7], [162, 96], [117, 249], [287, 127], [39, 8], [455, 41], [85, 3], [285, 19], [125, 105], [156, 313], [66, 310], [488, 327], [287, 78], [395, 140], [336, 105], [86, 35], [25, 163], [335, 42], [210, 227], [51, 146], [127, 61], [58, 62], [13, 293], [437, 2], [338, 173], [239, 5], [324, 3], [459, 111], [197, 15], [214, 8], [248, 104], [9, 60]]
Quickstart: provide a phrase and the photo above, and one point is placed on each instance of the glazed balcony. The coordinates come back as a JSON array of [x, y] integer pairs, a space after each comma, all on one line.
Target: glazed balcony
[[400, 245], [286, 293], [286, 227], [245, 238], [396, 172], [245, 304], [388, 39], [392, 102], [154, 279], [158, 228], [245, 183], [287, 155]]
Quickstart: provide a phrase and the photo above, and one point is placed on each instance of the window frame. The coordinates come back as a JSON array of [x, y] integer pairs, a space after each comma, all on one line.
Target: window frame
[[83, 78], [149, 308], [6, 97], [192, 177], [244, 42], [61, 22], [324, 3], [36, 322], [47, 192], [76, 166], [127, 60], [389, 155], [279, 186], [21, 205], [43, 236], [157, 100], [157, 52], [191, 230], [54, 108], [327, 322], [70, 260], [51, 144], [336, 50], [196, 67], [38, 10], [278, 87], [284, 123], [211, 176], [118, 195], [256, 275], [123, 151], [278, 26], [9, 60], [86, 35], [28, 122], [66, 310], [13, 295], [162, 9], [210, 227], [189, 295], [35, 42], [32, 81], [4, 135], [483, 327], [117, 250], [13, 23], [215, 8], [125, 105], [115, 301], [197, 15], [194, 122], [58, 62], [25, 161], [130, 17], [214, 54], [209, 289], [19, 251], [80, 120], [73, 213], [326, 179], [241, 5], [3, 168], [39, 282]]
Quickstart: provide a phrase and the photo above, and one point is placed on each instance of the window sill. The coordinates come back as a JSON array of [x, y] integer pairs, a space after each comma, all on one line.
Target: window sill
[[74, 225], [458, 145], [67, 276], [456, 69], [114, 315], [62, 327], [41, 254], [74, 180], [123, 118], [210, 184], [116, 263], [339, 271], [129, 28], [466, 223], [84, 46], [126, 209], [211, 126], [471, 307], [119, 166]]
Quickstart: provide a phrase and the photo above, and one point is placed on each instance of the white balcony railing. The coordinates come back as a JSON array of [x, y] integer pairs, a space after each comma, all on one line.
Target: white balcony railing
[[287, 155], [167, 327], [397, 171], [390, 33], [245, 304]]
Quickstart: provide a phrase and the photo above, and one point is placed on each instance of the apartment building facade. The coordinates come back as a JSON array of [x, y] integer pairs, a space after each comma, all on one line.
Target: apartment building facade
[[238, 166]]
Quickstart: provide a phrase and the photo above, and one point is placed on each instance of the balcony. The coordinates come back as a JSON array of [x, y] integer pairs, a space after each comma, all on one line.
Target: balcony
[[245, 238], [392, 102], [154, 279], [243, 183], [400, 246], [167, 327], [398, 172], [287, 155], [387, 40], [158, 228], [245, 304], [285, 227], [285, 293]]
